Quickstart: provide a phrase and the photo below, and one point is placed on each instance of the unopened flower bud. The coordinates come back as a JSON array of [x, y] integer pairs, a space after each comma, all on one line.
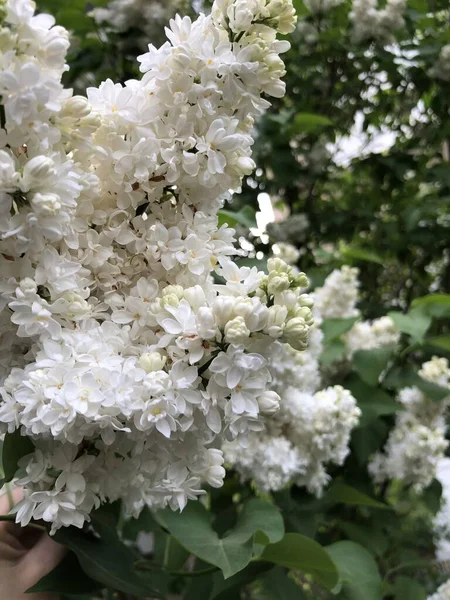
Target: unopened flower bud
[[301, 281], [236, 331], [278, 283], [76, 107], [278, 265], [36, 170], [152, 361], [246, 165], [269, 403], [296, 333], [28, 286]]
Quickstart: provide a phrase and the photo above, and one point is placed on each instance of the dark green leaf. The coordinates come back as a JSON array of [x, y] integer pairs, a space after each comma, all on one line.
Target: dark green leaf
[[369, 364], [334, 328], [400, 377], [436, 305], [235, 583], [371, 538], [299, 553], [358, 572], [369, 439], [333, 352], [245, 217], [309, 123], [232, 553], [415, 323], [106, 559], [279, 586], [360, 254], [373, 401], [441, 341], [15, 446], [406, 588], [341, 492], [67, 578]]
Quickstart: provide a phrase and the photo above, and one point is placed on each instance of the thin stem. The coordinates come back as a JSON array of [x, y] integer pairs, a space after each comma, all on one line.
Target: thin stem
[[167, 552], [149, 566], [12, 519]]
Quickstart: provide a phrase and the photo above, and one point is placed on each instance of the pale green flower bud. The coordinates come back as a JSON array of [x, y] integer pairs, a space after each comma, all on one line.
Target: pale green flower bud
[[278, 283], [278, 265], [236, 331], [152, 361], [296, 333]]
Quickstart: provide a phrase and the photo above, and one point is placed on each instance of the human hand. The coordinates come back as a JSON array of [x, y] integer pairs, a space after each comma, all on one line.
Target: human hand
[[26, 555]]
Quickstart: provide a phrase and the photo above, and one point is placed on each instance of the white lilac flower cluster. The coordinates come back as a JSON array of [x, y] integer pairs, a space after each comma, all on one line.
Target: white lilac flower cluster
[[310, 431], [338, 297], [442, 593], [287, 252], [121, 358], [418, 442], [148, 17], [441, 69], [379, 24], [441, 522], [368, 335]]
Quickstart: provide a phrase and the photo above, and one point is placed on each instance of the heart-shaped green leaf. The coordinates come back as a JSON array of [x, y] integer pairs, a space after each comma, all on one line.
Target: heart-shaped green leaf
[[231, 553]]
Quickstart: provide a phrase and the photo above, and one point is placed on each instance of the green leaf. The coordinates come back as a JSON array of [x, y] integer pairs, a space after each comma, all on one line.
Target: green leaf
[[369, 439], [299, 553], [341, 492], [358, 254], [231, 553], [441, 341], [67, 578], [235, 583], [246, 217], [400, 377], [371, 538], [369, 364], [309, 123], [334, 328], [279, 586], [407, 588], [15, 447], [359, 577], [373, 401], [415, 323], [301, 514], [333, 352], [106, 559], [435, 305]]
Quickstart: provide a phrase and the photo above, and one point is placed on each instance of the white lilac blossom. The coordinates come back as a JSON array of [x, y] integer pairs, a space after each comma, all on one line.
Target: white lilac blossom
[[442, 593], [120, 357], [338, 297], [441, 68], [371, 22], [368, 335], [312, 428], [418, 441], [287, 252], [309, 433], [441, 522]]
